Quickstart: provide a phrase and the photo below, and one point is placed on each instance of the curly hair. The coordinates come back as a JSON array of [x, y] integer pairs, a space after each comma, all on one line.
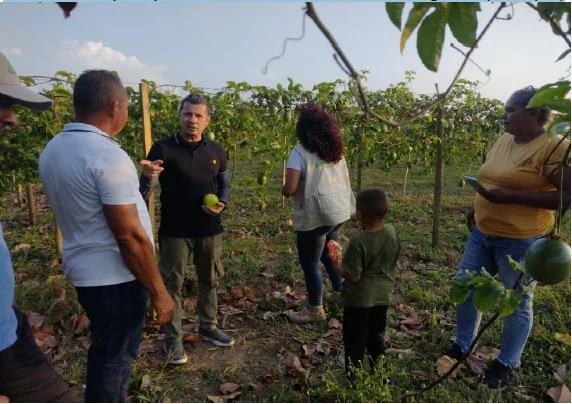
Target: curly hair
[[319, 132]]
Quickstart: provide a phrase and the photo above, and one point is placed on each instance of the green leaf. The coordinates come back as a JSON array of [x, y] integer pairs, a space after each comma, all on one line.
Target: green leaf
[[463, 22], [487, 295], [459, 291], [509, 302], [394, 11], [431, 35], [564, 54], [413, 19], [517, 266], [548, 93]]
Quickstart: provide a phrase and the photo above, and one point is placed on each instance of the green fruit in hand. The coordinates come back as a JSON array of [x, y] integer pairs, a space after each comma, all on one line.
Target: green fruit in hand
[[210, 200], [209, 136], [548, 261], [262, 179]]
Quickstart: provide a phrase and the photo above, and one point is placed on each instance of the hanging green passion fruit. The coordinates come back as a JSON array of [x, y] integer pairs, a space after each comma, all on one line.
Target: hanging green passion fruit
[[548, 261]]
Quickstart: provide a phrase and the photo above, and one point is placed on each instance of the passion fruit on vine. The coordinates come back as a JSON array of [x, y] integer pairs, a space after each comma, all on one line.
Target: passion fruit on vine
[[548, 261]]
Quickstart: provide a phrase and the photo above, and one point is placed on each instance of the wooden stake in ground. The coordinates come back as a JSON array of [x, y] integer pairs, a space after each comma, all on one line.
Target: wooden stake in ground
[[147, 142], [31, 204], [283, 181], [438, 186]]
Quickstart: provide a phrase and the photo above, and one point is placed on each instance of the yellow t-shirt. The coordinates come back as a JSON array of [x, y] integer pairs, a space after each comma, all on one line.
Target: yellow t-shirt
[[518, 167]]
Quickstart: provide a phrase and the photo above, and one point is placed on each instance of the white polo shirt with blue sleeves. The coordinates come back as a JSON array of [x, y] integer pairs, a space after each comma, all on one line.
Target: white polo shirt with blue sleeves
[[82, 169], [8, 321]]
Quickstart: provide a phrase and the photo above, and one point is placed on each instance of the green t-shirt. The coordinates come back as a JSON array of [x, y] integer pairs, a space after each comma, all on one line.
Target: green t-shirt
[[371, 259]]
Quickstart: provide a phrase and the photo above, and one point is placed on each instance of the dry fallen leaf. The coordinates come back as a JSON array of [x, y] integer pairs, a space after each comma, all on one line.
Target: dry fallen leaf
[[268, 315], [35, 320], [228, 388], [237, 292], [414, 319], [20, 247], [559, 394], [564, 338], [444, 364], [309, 349], [486, 352], [267, 274], [80, 322], [145, 381], [334, 323], [192, 338], [215, 398]]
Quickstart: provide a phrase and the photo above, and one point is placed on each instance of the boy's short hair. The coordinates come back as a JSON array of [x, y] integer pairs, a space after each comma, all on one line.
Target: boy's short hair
[[372, 202]]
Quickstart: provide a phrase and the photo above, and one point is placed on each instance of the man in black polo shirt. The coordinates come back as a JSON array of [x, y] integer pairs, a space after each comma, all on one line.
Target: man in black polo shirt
[[189, 166]]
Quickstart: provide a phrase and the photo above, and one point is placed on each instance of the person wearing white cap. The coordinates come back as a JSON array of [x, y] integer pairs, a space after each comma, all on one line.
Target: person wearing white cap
[[26, 374]]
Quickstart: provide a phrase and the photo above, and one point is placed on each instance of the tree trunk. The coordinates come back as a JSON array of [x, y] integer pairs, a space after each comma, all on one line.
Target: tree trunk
[[438, 186], [360, 160]]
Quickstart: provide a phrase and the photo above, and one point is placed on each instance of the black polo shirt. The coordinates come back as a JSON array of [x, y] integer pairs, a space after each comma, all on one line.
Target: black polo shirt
[[191, 171]]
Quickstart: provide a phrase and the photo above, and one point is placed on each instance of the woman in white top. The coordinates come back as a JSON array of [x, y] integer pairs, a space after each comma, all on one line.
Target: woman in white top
[[317, 177]]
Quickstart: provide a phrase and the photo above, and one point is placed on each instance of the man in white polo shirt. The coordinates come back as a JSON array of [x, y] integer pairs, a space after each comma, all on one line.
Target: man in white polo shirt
[[93, 188]]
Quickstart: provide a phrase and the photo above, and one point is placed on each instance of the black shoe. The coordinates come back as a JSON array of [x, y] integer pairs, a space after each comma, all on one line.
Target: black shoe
[[216, 337], [454, 352], [497, 375]]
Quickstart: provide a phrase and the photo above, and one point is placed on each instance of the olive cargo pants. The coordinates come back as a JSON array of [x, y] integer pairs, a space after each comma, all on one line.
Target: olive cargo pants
[[173, 257]]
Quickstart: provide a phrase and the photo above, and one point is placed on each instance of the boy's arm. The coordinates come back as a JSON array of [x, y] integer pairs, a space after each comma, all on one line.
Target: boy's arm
[[339, 268]]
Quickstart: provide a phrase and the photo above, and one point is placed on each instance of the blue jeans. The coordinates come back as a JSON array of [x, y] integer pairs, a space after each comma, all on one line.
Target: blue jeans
[[116, 314], [312, 249], [490, 252]]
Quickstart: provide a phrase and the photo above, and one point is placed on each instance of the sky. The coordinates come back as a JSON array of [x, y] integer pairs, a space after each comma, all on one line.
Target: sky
[[211, 43]]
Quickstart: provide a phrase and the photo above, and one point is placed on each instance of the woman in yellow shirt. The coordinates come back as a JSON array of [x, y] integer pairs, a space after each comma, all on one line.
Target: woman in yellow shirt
[[523, 186]]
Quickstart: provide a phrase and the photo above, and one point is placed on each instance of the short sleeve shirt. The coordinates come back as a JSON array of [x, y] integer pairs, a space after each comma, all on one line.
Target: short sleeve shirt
[[371, 259], [521, 167], [83, 169]]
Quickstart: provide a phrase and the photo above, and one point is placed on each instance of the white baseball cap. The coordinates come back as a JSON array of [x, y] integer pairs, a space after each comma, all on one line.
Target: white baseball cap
[[11, 87]]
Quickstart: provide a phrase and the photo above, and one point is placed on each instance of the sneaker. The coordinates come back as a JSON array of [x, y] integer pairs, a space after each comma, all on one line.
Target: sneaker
[[497, 375], [334, 297], [454, 352], [175, 355], [307, 314], [216, 337]]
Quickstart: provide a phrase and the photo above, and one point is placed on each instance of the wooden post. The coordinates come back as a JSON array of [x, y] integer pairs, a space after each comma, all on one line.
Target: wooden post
[[31, 204], [406, 174], [361, 145], [438, 186], [147, 142], [283, 182]]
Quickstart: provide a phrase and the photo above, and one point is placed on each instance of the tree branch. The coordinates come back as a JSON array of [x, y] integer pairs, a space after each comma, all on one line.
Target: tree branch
[[311, 12], [551, 21]]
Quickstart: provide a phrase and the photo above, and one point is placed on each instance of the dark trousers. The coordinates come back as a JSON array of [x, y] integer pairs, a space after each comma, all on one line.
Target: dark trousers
[[116, 314], [27, 375], [364, 330], [312, 249]]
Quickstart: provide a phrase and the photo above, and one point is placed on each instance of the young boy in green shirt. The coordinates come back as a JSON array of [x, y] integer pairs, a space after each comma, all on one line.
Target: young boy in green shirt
[[368, 266]]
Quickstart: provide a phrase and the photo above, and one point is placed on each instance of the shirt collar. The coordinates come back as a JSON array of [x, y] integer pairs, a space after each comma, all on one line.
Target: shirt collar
[[179, 140], [84, 127]]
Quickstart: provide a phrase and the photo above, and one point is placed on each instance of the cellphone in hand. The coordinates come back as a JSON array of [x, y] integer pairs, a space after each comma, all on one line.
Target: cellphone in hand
[[472, 181]]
